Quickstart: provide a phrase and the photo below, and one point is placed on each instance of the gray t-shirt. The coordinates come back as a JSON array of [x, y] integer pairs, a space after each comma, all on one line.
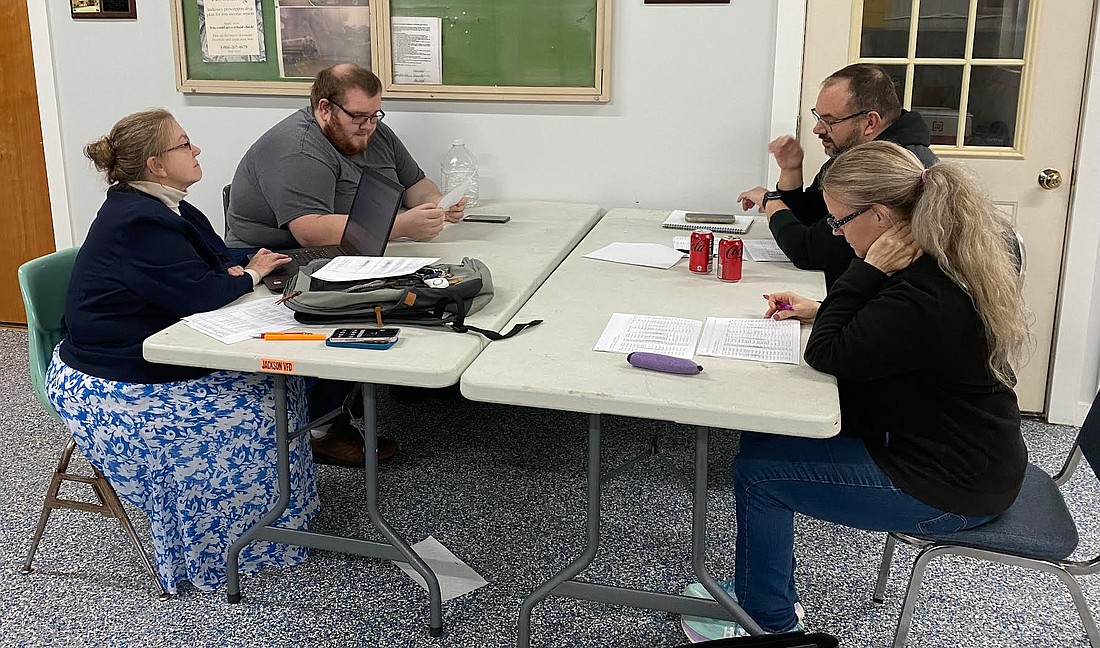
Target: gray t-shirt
[[293, 170]]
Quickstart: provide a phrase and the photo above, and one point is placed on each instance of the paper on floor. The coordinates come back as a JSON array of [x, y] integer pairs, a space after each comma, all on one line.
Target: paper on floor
[[455, 577]]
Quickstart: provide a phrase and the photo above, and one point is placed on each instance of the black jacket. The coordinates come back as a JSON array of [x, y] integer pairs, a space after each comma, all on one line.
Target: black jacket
[[142, 268], [909, 353], [802, 232]]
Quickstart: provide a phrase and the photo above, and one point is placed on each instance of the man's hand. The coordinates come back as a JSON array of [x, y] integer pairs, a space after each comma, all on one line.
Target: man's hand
[[421, 223], [456, 211], [785, 305], [235, 271], [750, 198], [265, 261], [787, 152], [894, 250]]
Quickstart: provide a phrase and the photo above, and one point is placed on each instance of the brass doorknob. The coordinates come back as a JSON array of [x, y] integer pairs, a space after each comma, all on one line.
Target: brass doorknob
[[1050, 179]]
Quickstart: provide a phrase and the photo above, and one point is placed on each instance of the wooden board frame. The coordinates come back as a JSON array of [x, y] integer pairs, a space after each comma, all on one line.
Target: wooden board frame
[[598, 92]]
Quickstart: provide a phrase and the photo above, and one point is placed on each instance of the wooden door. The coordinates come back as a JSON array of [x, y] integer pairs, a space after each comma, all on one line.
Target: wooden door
[[1013, 69], [26, 228]]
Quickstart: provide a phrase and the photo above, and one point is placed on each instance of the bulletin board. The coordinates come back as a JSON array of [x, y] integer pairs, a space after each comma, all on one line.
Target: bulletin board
[[518, 50]]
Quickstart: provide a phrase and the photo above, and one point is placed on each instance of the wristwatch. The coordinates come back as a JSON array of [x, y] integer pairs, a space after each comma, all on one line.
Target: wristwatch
[[770, 195]]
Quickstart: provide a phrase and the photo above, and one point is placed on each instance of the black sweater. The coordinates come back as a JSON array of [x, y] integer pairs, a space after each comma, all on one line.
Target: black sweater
[[909, 353], [141, 268], [802, 232]]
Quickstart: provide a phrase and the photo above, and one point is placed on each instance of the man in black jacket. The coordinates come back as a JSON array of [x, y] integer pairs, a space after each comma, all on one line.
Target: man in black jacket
[[856, 104]]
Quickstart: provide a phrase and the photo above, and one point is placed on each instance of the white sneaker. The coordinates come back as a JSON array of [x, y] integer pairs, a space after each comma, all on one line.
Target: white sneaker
[[699, 629]]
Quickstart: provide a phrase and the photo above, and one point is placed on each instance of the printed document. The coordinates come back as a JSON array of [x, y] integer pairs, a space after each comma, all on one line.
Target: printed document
[[653, 255], [765, 250], [452, 197], [673, 336], [764, 340], [416, 44], [362, 268], [241, 321]]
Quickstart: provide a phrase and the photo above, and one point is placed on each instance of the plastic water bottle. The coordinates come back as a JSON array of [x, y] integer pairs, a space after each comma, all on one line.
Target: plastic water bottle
[[459, 165]]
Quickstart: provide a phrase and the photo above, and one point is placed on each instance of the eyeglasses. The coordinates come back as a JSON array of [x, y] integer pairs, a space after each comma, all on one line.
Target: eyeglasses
[[837, 223], [185, 145], [359, 119], [829, 123]]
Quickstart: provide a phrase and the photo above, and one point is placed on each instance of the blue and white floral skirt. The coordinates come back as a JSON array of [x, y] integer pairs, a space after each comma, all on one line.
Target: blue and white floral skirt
[[198, 457]]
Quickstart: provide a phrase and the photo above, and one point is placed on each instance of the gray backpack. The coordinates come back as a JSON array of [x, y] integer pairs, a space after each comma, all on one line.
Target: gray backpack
[[404, 300]]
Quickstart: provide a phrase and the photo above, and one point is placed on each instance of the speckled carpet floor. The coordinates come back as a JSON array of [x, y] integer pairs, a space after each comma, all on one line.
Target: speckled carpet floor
[[502, 488]]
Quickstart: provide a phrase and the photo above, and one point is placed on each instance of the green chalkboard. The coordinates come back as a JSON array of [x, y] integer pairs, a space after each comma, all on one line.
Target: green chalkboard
[[513, 43], [542, 50]]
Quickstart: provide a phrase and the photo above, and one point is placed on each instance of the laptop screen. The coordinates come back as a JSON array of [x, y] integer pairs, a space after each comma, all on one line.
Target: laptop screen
[[372, 213]]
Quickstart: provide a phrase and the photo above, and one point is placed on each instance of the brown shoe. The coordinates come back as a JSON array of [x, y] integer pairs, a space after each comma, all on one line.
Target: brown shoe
[[338, 449]]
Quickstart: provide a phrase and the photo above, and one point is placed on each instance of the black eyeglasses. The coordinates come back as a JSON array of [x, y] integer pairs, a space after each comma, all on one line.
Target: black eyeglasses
[[837, 223], [829, 123], [360, 119], [185, 145]]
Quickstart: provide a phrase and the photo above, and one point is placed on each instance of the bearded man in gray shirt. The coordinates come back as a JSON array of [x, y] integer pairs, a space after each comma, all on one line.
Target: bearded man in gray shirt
[[295, 185]]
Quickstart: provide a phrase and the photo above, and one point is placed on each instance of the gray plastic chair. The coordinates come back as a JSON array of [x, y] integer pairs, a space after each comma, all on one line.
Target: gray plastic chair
[[1036, 532]]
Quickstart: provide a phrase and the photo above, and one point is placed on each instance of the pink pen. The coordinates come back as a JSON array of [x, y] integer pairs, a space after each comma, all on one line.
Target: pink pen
[[781, 304]]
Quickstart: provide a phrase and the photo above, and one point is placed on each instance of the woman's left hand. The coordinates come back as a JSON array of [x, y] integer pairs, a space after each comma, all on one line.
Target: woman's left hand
[[235, 271], [894, 250]]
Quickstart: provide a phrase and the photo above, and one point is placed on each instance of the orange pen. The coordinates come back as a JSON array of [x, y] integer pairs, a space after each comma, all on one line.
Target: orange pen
[[291, 335]]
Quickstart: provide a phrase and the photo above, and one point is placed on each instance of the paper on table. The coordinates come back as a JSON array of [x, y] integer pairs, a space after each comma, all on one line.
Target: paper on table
[[765, 251], [674, 336], [452, 197], [765, 340], [360, 268], [653, 255], [683, 244], [238, 323], [455, 577]]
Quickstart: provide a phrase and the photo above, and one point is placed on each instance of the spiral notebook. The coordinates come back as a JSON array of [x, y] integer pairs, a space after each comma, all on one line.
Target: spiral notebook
[[676, 220]]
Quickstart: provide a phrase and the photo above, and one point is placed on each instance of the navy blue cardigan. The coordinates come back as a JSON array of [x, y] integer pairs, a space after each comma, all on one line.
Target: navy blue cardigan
[[141, 268]]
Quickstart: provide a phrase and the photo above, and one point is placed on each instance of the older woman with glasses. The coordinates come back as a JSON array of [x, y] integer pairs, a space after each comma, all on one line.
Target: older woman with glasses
[[192, 448], [922, 333]]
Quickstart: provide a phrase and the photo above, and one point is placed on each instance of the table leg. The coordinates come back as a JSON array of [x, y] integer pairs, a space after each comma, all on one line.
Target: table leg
[[370, 446], [699, 536], [282, 444], [592, 529]]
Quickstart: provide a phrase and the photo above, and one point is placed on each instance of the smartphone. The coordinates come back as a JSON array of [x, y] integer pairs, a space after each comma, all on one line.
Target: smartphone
[[487, 218], [363, 338], [723, 219]]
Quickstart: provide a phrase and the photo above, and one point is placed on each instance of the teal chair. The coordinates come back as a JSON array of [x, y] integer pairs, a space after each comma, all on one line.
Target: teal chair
[[44, 283]]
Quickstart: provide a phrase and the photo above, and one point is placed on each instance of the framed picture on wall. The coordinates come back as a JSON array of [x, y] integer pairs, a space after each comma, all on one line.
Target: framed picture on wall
[[88, 9]]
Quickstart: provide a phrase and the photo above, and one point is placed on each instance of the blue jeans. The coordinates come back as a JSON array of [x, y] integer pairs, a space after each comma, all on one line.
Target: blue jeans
[[830, 479]]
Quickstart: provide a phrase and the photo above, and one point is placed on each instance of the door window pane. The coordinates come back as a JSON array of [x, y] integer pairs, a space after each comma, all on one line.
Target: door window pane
[[936, 94], [1001, 29], [897, 75], [993, 102], [885, 28], [941, 31]]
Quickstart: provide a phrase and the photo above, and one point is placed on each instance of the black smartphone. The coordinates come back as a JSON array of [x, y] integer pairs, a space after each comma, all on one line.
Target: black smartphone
[[487, 218], [722, 219], [370, 338]]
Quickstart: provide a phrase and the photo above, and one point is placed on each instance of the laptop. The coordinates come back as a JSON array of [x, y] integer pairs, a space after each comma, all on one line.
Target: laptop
[[370, 221]]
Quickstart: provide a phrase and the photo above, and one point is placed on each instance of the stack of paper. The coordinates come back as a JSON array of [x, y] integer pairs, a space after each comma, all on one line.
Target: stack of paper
[[763, 340], [362, 268], [241, 321]]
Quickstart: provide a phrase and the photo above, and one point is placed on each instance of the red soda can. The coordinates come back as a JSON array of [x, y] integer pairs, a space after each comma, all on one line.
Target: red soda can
[[730, 252], [702, 242]]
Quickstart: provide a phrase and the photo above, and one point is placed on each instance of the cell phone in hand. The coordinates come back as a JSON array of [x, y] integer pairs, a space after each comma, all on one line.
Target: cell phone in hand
[[487, 218], [699, 217], [363, 338]]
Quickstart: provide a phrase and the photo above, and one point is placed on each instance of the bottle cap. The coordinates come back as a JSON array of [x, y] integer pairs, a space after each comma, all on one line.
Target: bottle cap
[[456, 143]]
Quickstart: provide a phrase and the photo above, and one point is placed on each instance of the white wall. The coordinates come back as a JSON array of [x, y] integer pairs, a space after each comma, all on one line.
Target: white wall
[[687, 126], [1075, 370]]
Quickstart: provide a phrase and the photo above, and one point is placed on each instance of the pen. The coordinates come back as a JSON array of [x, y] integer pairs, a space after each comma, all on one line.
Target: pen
[[291, 336], [288, 297], [781, 304]]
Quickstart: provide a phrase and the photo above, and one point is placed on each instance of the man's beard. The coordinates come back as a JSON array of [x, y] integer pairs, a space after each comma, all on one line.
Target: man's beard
[[839, 147], [343, 142]]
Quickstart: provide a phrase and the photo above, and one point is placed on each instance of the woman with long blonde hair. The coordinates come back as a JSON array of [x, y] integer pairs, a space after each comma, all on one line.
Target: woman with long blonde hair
[[923, 333]]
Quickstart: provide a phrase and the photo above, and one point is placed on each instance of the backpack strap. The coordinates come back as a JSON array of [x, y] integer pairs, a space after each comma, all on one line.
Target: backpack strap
[[493, 335]]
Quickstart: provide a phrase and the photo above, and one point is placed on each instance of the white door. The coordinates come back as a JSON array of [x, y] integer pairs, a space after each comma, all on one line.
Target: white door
[[1015, 69]]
